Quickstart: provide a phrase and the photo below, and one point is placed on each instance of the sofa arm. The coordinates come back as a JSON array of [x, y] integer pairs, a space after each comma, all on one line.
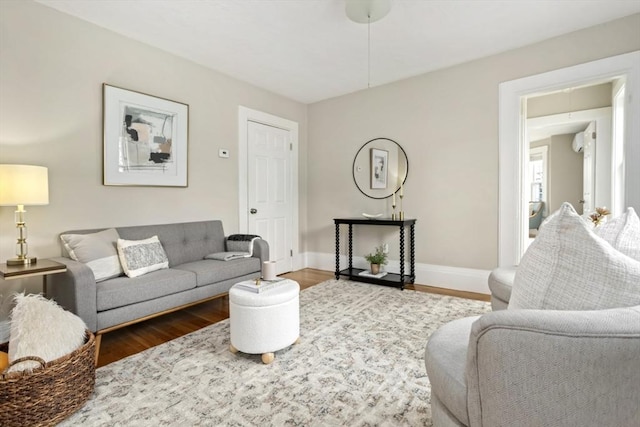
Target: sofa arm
[[75, 290], [546, 367], [261, 250]]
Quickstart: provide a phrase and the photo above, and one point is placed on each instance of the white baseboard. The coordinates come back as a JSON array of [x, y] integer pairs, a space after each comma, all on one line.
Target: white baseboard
[[5, 328], [461, 279]]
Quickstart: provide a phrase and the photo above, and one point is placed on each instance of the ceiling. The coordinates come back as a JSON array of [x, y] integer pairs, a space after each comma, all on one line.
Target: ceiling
[[308, 50], [536, 134]]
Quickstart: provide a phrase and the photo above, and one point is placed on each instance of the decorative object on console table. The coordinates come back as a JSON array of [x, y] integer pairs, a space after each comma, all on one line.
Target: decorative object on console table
[[145, 139], [391, 279], [396, 164], [401, 217], [393, 206], [22, 185], [379, 168], [376, 259]]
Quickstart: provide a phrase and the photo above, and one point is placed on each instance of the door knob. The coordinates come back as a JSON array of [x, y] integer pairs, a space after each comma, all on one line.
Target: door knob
[[253, 211]]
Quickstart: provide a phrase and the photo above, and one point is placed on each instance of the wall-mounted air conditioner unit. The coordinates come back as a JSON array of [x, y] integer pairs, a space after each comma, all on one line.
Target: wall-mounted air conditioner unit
[[578, 142]]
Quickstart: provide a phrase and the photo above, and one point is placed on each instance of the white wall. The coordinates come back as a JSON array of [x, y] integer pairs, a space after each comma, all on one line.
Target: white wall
[[447, 122], [51, 72]]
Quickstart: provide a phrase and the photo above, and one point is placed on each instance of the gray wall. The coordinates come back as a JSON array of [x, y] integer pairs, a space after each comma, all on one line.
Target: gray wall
[[447, 122], [52, 68], [565, 172], [585, 98]]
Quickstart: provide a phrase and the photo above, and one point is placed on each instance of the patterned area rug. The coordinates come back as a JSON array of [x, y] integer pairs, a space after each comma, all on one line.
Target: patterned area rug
[[360, 362]]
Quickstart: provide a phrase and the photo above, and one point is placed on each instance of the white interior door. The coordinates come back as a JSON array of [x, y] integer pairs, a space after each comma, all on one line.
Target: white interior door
[[269, 190], [589, 169]]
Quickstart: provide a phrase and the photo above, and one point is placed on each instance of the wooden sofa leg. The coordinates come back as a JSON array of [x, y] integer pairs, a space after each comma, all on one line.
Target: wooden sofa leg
[[98, 340]]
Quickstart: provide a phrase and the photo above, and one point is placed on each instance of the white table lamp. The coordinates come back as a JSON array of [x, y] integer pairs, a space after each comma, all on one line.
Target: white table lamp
[[22, 185]]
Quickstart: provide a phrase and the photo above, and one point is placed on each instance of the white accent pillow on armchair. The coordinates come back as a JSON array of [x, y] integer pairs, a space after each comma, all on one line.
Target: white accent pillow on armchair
[[569, 267]]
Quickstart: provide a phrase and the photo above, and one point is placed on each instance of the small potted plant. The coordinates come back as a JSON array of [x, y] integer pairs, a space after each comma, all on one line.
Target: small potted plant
[[376, 259]]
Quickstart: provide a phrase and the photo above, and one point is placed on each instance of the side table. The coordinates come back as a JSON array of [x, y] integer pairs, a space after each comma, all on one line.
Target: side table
[[42, 268]]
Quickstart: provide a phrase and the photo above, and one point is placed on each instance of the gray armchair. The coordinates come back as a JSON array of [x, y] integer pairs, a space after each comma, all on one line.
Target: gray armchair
[[537, 368], [536, 210]]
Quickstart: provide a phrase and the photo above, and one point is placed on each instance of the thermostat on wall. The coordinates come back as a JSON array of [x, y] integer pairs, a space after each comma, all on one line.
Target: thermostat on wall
[[224, 153]]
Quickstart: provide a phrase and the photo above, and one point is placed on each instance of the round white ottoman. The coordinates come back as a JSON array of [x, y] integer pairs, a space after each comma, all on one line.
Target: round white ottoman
[[265, 322]]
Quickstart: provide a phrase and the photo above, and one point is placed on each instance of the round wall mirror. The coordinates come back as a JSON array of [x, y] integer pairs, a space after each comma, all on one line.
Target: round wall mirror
[[380, 167]]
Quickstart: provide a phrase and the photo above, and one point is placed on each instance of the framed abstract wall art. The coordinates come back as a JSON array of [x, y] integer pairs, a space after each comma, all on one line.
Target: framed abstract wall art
[[379, 168], [145, 139]]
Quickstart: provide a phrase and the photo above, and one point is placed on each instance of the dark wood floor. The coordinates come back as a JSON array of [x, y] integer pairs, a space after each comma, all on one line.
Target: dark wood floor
[[133, 339]]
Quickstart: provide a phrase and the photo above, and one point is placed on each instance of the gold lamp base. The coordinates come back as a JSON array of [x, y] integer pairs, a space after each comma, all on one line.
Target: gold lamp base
[[22, 261]]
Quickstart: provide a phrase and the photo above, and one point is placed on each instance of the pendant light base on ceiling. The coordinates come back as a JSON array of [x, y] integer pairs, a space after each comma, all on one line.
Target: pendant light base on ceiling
[[367, 11]]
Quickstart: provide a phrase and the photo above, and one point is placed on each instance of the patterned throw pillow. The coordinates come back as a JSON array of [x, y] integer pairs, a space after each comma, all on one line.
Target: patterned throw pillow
[[568, 267], [623, 233], [97, 251], [140, 257]]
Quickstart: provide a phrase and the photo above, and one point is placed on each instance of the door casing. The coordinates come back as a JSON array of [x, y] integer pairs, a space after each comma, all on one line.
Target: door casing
[[512, 147]]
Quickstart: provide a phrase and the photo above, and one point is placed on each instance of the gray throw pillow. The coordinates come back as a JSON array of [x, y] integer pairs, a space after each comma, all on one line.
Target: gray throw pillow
[[96, 250], [568, 267]]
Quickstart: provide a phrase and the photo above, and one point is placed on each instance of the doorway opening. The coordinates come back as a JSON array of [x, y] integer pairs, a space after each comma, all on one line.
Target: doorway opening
[[514, 150]]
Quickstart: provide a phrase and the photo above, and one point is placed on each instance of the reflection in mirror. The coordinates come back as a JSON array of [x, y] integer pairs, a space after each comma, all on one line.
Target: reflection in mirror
[[380, 167]]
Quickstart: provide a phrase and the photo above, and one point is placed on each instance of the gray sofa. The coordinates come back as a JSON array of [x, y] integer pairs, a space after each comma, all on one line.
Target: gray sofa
[[536, 367], [190, 279]]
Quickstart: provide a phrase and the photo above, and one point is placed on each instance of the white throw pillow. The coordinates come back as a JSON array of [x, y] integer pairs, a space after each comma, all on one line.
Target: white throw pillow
[[96, 250], [140, 257], [40, 327], [568, 267], [623, 233]]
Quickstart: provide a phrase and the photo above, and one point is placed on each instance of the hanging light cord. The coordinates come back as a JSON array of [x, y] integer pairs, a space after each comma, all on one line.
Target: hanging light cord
[[369, 50]]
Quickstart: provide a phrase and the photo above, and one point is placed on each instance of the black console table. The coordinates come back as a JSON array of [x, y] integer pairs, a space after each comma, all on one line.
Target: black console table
[[391, 279]]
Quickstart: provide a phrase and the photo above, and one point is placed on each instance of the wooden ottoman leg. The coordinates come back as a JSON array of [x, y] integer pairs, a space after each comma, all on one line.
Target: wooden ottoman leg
[[267, 358], [232, 349]]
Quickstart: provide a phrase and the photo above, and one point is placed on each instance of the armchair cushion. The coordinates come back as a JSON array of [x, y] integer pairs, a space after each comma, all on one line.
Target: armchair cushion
[[568, 267]]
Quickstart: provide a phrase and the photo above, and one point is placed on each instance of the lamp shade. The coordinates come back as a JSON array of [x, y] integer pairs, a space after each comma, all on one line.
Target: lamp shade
[[24, 185]]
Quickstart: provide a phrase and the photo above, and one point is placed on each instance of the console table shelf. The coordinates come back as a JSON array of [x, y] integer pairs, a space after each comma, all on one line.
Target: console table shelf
[[391, 279]]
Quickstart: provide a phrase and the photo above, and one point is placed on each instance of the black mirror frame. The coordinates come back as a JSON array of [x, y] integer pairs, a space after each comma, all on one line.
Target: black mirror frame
[[354, 165]]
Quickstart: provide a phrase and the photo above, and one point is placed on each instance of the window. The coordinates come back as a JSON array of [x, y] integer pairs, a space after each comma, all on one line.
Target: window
[[538, 175]]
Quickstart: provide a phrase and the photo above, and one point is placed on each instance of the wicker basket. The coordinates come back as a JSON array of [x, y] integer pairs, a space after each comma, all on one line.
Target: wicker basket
[[51, 393]]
